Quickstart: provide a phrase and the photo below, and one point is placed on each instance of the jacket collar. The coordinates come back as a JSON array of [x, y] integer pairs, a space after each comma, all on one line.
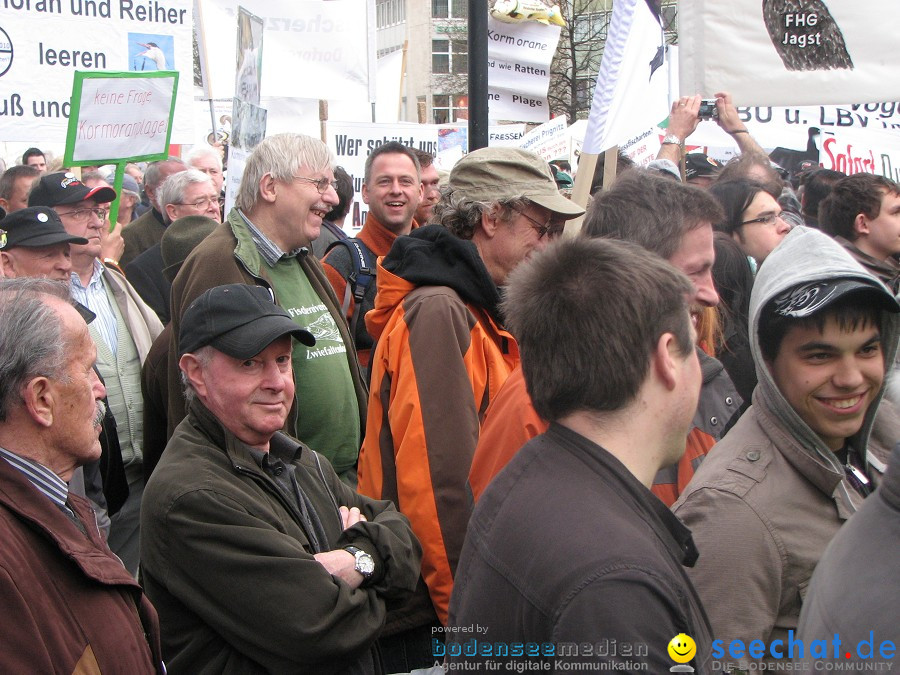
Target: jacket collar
[[377, 237], [815, 462], [680, 543], [22, 499], [238, 452]]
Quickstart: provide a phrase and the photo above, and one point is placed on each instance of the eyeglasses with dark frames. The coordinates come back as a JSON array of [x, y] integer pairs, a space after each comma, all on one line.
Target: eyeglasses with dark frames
[[768, 219], [550, 229], [322, 184]]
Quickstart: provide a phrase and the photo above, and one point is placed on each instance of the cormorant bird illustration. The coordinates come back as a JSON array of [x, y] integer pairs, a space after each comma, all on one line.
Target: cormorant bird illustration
[[805, 35]]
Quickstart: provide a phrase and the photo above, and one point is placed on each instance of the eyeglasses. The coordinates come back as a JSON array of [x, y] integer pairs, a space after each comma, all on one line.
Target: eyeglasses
[[322, 184], [551, 230], [765, 220], [82, 215], [201, 203]]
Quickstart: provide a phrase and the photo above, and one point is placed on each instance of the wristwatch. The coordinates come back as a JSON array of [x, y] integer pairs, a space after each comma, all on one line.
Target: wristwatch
[[671, 138], [365, 564]]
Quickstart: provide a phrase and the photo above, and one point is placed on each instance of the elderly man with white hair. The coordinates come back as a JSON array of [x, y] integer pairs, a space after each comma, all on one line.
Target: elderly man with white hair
[[287, 188]]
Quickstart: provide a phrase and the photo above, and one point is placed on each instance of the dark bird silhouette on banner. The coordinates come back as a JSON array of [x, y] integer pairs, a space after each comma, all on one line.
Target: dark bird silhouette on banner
[[805, 35], [659, 58]]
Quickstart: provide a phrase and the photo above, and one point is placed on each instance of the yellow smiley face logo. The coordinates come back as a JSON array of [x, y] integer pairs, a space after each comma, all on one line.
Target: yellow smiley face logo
[[682, 648]]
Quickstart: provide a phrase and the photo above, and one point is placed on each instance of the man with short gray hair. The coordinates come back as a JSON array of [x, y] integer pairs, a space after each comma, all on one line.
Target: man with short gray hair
[[141, 234], [286, 190], [68, 603], [188, 193]]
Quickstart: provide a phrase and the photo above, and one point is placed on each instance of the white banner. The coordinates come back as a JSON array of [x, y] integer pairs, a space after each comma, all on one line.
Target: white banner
[[790, 127], [790, 53], [519, 56], [632, 91], [314, 49], [42, 44]]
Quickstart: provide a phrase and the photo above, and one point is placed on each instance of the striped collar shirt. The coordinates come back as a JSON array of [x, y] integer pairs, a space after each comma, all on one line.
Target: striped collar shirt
[[94, 297], [48, 483], [268, 249]]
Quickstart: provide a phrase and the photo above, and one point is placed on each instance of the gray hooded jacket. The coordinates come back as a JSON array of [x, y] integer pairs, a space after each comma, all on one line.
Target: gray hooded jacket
[[771, 494]]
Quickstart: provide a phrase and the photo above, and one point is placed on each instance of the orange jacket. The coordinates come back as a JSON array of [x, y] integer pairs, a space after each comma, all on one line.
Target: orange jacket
[[512, 421], [438, 363]]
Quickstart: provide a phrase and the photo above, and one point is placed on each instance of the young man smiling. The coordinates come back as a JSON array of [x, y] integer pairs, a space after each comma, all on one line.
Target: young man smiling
[[776, 489]]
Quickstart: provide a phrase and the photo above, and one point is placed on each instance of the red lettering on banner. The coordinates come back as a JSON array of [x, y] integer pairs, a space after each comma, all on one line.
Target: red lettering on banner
[[845, 161]]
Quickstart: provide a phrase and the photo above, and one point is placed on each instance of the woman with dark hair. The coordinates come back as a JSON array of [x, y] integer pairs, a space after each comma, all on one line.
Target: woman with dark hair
[[734, 281], [752, 217]]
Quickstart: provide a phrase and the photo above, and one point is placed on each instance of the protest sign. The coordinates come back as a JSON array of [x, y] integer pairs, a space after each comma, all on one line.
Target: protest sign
[[550, 140], [249, 57], [314, 50], [118, 116], [44, 43], [519, 57], [790, 53]]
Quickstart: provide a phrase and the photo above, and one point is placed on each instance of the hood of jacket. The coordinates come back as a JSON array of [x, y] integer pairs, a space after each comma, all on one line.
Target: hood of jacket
[[431, 256], [804, 256]]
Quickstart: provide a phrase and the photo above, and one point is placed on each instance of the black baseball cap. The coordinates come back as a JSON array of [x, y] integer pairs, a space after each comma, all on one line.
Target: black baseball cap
[[238, 320], [699, 164], [808, 299], [63, 187], [34, 227]]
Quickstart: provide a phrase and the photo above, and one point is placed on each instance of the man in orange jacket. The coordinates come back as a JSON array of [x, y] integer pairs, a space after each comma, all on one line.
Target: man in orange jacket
[[442, 354]]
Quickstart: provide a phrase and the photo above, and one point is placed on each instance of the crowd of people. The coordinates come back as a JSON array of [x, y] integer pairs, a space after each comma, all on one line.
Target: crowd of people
[[247, 442]]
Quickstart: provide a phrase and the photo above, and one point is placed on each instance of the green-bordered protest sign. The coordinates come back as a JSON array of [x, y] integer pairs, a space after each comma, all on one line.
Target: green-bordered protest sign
[[120, 117]]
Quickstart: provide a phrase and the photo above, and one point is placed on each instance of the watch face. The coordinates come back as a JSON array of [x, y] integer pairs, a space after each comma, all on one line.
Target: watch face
[[365, 564]]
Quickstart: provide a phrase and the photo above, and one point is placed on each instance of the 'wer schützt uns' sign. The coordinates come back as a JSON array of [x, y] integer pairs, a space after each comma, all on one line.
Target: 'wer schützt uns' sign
[[117, 116]]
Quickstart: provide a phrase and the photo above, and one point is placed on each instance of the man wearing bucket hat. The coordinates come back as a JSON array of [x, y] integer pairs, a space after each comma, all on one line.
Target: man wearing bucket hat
[[442, 353], [34, 243], [257, 557]]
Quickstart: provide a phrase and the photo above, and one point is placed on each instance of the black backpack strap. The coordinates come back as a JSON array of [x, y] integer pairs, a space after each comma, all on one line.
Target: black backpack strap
[[360, 278]]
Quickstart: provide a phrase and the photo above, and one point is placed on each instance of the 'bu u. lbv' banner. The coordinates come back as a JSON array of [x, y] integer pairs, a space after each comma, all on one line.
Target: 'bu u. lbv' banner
[[790, 52]]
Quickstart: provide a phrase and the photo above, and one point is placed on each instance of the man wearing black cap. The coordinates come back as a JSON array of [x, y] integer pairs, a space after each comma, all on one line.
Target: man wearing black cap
[[124, 328], [776, 489], [257, 557], [34, 243], [700, 169]]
